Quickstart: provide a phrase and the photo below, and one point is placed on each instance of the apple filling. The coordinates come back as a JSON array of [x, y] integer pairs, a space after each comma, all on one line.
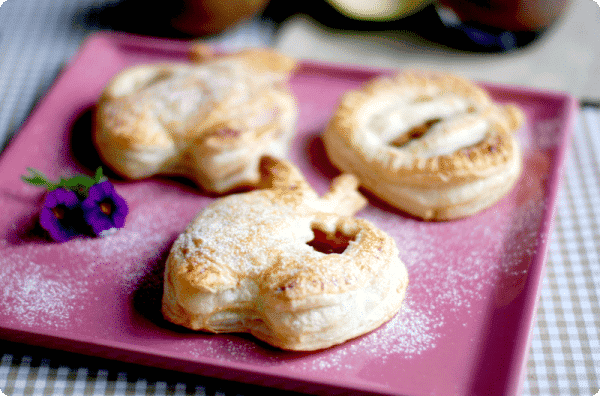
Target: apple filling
[[329, 243], [414, 133]]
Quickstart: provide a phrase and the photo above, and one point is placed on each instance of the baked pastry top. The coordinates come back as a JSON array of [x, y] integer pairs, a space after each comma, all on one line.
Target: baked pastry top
[[290, 267], [210, 119], [432, 144]]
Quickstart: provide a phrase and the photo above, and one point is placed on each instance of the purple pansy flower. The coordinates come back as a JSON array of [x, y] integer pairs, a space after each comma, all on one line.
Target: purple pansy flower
[[60, 213], [104, 210]]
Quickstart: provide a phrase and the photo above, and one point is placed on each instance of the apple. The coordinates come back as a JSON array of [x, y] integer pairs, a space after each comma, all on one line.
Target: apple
[[206, 17]]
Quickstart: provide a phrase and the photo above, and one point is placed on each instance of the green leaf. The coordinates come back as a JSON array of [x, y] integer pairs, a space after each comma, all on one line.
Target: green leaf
[[80, 180], [99, 175], [80, 183], [37, 178]]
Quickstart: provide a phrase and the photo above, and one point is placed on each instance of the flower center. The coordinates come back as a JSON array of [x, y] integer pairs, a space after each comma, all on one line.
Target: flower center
[[59, 212], [106, 207]]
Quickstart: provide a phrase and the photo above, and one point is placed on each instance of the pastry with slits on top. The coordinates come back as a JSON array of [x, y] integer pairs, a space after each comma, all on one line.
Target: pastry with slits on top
[[431, 144], [210, 119]]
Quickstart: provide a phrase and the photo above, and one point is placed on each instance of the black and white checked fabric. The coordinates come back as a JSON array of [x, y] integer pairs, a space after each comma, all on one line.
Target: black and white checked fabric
[[38, 36]]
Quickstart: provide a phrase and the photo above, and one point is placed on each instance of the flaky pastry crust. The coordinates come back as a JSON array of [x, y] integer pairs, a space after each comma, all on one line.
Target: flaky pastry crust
[[431, 144], [290, 267], [210, 120]]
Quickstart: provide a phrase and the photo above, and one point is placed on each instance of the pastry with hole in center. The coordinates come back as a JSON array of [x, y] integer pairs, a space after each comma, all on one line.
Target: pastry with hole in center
[[210, 119], [431, 144], [294, 269]]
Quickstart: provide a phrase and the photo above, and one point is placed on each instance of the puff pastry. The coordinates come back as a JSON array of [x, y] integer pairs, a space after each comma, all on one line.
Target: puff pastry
[[431, 144], [210, 120], [290, 267]]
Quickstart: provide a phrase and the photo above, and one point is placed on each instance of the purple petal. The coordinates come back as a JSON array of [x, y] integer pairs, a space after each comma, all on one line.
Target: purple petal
[[103, 196], [59, 214]]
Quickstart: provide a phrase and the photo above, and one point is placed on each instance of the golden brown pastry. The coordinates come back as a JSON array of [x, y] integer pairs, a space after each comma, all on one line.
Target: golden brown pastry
[[431, 144], [290, 267], [210, 120]]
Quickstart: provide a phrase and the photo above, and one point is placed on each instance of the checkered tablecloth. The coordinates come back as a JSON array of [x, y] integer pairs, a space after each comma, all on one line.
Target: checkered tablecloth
[[38, 36]]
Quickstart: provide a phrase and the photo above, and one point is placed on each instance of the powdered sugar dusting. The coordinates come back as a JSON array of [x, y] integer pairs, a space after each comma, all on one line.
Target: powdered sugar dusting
[[34, 296], [48, 284], [409, 333], [452, 266], [457, 269], [454, 269], [445, 287]]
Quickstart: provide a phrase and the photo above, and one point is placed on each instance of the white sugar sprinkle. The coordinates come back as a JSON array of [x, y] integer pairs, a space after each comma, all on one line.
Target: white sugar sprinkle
[[452, 266], [33, 298]]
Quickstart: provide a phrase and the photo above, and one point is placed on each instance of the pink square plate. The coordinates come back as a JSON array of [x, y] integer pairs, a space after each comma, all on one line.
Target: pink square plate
[[474, 283]]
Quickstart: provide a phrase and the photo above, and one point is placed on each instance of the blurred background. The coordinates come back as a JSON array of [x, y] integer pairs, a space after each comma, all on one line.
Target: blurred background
[[551, 44]]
